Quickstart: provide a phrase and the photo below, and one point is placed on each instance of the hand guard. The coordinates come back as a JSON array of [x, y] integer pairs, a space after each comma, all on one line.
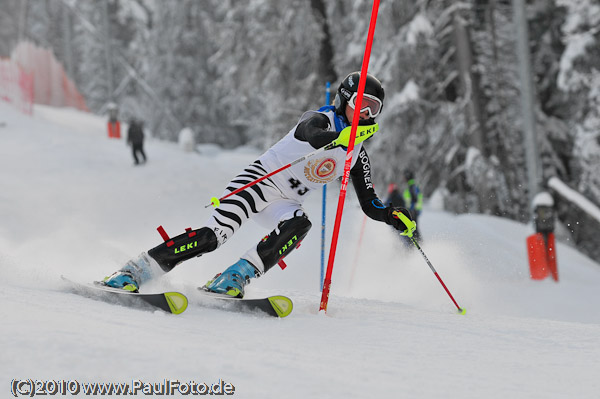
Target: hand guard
[[362, 133], [401, 219]]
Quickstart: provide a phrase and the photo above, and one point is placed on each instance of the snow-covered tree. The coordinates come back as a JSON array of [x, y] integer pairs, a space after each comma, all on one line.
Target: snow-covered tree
[[242, 72]]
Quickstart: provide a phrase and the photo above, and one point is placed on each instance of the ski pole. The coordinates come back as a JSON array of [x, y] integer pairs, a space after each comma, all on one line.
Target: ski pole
[[460, 310], [362, 133], [214, 201], [409, 233]]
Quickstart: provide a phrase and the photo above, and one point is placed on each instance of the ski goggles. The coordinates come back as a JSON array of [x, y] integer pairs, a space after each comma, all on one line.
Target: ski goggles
[[369, 102]]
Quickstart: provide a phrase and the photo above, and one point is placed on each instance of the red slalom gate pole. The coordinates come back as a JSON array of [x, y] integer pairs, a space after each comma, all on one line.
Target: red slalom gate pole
[[349, 154], [360, 238]]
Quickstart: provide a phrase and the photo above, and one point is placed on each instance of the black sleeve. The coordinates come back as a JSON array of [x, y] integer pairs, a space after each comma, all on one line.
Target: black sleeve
[[315, 130], [363, 185]]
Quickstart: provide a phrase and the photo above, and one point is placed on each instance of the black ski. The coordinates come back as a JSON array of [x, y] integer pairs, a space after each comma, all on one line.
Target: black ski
[[276, 305], [172, 302]]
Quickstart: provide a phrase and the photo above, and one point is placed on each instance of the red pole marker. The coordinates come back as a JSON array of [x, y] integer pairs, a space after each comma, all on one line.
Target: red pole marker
[[349, 154]]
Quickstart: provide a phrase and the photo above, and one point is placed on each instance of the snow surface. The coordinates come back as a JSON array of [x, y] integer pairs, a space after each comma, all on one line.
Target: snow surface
[[543, 198], [73, 204]]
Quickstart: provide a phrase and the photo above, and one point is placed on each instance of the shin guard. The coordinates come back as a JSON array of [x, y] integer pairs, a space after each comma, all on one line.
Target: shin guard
[[183, 247], [282, 240]]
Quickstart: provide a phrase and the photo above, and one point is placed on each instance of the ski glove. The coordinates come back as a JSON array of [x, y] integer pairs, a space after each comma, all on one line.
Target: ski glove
[[401, 219], [362, 133]]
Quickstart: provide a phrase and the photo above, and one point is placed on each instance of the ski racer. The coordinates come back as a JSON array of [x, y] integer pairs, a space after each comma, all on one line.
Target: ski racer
[[276, 202]]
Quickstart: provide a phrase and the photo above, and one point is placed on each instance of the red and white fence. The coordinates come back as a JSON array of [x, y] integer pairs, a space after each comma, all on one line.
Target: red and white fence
[[16, 86], [33, 75]]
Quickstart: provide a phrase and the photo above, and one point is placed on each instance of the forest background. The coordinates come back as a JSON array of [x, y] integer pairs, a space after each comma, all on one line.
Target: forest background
[[242, 72]]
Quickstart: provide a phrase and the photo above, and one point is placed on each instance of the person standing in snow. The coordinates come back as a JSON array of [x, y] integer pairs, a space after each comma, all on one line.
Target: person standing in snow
[[394, 196], [135, 138], [276, 202]]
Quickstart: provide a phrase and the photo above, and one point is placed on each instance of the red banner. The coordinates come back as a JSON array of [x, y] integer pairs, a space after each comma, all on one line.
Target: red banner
[[542, 256]]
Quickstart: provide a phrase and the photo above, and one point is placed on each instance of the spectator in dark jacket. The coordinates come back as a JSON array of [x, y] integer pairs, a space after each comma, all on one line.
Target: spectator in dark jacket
[[135, 138], [394, 196], [413, 199]]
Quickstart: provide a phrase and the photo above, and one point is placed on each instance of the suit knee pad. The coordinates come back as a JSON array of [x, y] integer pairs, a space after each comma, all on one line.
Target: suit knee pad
[[283, 240], [183, 247]]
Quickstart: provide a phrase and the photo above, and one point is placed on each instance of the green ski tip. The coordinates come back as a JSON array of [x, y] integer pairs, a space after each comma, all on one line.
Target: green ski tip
[[282, 305], [462, 311], [177, 302]]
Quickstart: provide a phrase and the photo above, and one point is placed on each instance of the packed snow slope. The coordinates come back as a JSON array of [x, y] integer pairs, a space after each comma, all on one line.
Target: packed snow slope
[[73, 204]]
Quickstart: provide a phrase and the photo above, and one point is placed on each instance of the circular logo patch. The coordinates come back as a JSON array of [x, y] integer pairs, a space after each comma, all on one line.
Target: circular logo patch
[[320, 170]]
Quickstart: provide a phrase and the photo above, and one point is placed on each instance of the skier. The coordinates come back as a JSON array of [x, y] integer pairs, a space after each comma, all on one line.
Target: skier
[[277, 201]]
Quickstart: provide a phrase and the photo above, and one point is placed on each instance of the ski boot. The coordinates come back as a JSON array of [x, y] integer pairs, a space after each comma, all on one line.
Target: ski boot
[[122, 279], [232, 281], [134, 273]]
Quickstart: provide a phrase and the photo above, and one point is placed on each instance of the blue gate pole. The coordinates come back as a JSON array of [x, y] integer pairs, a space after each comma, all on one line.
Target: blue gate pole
[[324, 209]]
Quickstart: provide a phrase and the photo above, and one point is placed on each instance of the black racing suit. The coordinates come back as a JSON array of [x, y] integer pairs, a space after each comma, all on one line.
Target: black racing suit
[[315, 131]]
